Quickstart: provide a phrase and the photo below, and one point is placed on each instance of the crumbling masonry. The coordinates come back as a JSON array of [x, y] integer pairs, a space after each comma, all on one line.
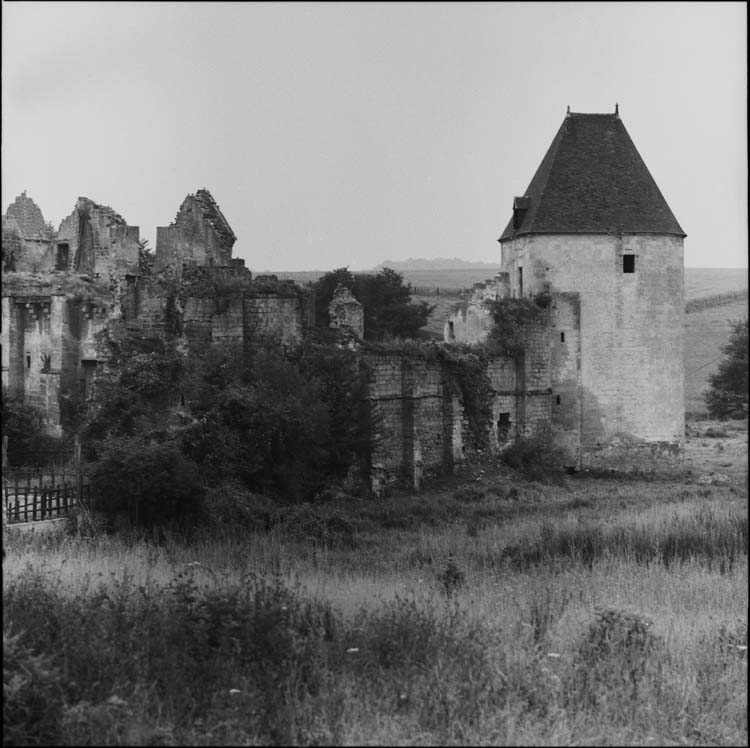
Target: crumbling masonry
[[600, 369], [68, 294]]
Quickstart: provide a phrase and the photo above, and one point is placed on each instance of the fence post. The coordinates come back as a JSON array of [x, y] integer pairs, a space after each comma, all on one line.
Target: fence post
[[5, 453], [33, 507]]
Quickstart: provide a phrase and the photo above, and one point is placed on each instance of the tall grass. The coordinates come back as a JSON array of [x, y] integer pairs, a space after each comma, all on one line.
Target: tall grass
[[623, 622]]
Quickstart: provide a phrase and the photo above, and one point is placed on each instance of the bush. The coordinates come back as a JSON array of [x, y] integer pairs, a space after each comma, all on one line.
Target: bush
[[617, 655], [32, 695], [24, 426], [385, 298], [469, 494], [536, 457], [229, 506], [728, 394], [150, 485]]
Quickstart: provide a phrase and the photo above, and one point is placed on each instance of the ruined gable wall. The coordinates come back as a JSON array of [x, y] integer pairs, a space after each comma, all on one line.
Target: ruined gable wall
[[23, 254], [191, 238], [99, 240]]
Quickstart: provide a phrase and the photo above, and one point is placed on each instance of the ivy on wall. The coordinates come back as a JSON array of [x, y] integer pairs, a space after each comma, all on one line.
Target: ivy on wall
[[465, 370], [512, 318]]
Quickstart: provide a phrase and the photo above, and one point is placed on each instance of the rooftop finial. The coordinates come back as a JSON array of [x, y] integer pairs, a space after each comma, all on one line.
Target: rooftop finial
[[568, 108], [617, 109]]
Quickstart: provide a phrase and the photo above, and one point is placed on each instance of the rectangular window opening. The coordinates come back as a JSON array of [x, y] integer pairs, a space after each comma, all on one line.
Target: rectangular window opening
[[503, 427], [628, 263], [520, 282], [61, 259], [28, 360], [562, 337], [557, 399]]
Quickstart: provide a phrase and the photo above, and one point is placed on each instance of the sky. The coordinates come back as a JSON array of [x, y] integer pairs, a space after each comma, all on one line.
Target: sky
[[336, 134]]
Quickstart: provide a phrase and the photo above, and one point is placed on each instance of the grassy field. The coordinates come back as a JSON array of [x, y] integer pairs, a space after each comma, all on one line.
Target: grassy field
[[488, 610], [699, 282]]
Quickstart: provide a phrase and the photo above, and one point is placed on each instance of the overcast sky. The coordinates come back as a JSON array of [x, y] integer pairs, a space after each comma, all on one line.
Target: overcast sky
[[348, 134]]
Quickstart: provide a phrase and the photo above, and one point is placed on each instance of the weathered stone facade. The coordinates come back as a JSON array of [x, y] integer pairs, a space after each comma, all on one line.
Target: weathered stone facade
[[595, 233], [68, 295], [345, 311], [600, 366]]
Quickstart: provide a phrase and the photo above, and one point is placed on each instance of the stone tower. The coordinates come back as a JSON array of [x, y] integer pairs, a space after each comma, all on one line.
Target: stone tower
[[593, 223]]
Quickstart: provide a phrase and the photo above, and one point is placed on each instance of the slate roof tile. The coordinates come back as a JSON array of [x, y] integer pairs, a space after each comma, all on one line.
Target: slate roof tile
[[592, 180]]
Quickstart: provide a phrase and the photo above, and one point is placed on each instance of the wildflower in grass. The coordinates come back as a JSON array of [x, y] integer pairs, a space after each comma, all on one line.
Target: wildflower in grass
[[234, 691], [352, 650]]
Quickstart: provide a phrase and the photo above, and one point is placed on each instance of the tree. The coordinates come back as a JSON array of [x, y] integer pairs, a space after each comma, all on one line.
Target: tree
[[23, 424], [133, 396], [324, 288], [728, 396], [385, 299], [152, 484]]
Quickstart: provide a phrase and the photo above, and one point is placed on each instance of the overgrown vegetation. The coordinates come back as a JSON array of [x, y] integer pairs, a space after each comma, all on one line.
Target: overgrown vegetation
[[512, 318], [385, 298], [419, 636], [728, 393], [282, 421], [23, 424]]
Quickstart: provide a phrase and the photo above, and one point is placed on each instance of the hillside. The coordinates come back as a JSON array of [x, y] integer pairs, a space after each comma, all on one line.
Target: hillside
[[428, 278]]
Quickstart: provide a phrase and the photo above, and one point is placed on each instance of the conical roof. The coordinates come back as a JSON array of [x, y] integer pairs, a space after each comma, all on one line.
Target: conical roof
[[592, 180]]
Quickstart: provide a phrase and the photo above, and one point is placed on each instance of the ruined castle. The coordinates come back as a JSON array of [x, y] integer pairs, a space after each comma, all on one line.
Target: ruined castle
[[601, 367], [68, 294]]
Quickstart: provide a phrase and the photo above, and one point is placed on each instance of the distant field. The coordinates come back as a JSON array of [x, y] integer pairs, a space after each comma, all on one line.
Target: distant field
[[699, 282], [708, 281], [706, 332]]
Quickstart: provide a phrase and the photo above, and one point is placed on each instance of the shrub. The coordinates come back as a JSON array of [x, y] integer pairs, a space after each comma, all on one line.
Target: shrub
[[536, 457], [32, 695], [151, 485], [23, 424], [468, 494], [230, 505], [728, 394], [617, 655], [452, 577]]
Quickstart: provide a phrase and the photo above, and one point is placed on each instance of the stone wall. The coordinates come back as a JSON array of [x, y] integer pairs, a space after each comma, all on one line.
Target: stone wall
[[630, 332], [470, 321], [423, 426], [95, 240], [199, 234]]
